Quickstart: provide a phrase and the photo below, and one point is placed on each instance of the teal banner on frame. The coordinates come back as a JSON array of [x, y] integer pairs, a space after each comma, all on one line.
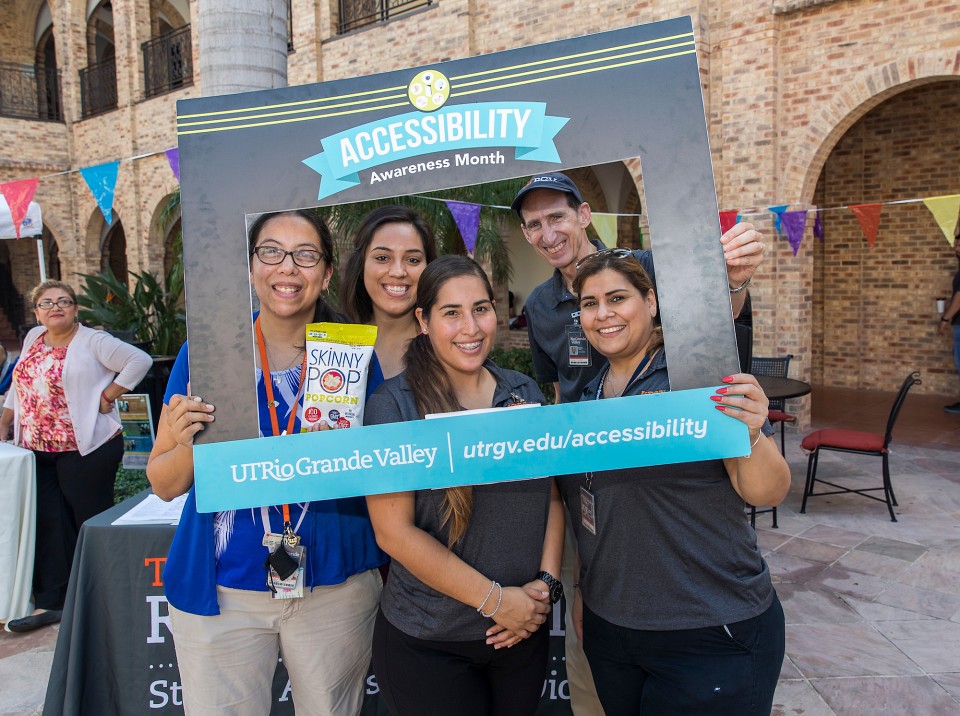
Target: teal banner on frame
[[468, 449]]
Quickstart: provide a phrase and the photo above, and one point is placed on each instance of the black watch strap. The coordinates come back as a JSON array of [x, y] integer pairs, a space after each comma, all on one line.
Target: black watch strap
[[556, 587]]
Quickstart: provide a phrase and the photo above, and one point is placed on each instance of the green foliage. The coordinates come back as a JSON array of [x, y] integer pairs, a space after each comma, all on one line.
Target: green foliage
[[521, 360], [153, 311], [129, 483]]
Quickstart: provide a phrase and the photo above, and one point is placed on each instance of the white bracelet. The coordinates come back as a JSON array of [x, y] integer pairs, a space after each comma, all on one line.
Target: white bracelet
[[499, 600], [754, 444], [485, 599]]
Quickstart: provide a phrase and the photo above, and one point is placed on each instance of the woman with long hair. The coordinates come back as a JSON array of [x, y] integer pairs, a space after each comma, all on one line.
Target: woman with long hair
[[674, 603], [391, 248], [232, 610], [61, 405], [460, 623]]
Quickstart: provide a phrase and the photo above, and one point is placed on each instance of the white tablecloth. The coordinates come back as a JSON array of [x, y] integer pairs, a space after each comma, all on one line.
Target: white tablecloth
[[17, 525]]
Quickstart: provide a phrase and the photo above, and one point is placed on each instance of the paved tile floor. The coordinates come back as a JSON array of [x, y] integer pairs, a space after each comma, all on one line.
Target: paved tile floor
[[872, 606]]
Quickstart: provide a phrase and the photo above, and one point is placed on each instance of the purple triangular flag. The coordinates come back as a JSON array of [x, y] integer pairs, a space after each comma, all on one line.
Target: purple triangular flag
[[102, 181], [794, 222], [467, 217], [778, 212], [818, 226], [173, 159]]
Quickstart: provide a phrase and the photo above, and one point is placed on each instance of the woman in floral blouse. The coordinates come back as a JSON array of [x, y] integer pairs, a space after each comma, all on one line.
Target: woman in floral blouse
[[61, 406]]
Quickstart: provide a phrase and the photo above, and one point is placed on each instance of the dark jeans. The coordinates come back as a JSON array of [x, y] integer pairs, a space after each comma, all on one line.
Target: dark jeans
[[71, 488], [700, 672], [418, 677]]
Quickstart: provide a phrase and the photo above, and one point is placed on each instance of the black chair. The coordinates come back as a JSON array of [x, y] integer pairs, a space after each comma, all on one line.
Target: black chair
[[777, 368], [862, 443]]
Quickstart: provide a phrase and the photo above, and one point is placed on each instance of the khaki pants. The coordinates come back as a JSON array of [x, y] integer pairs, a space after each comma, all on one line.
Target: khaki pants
[[583, 694], [227, 661]]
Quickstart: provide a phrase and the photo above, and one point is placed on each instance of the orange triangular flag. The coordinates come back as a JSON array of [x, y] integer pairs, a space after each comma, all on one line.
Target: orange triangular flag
[[945, 210], [869, 217], [18, 195]]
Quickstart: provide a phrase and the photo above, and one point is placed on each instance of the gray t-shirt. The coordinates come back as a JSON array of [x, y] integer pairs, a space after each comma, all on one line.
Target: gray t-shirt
[[673, 549], [504, 540], [550, 310]]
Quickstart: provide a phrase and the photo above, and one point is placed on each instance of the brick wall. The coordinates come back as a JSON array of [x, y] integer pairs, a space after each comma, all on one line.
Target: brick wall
[[793, 88]]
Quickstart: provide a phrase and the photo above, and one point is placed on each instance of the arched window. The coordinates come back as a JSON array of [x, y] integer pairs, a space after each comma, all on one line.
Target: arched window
[[98, 80]]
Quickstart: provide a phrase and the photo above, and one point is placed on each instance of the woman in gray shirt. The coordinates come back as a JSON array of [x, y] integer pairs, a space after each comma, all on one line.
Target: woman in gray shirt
[[459, 628], [675, 604]]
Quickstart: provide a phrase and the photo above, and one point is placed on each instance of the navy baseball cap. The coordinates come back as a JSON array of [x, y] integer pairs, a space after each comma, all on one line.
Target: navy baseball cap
[[555, 181]]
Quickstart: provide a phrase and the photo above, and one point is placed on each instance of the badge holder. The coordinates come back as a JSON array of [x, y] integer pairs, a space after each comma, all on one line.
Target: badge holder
[[588, 505], [285, 564]]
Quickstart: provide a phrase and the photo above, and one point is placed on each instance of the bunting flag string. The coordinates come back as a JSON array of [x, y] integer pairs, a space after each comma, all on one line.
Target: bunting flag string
[[778, 212], [945, 210], [606, 226], [794, 222], [173, 159], [869, 217], [728, 219]]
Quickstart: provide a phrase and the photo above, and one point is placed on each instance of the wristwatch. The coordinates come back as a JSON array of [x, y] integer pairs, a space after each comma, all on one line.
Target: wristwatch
[[554, 584]]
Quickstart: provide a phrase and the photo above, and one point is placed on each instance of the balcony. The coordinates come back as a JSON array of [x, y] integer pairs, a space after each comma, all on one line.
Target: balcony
[[355, 14], [167, 62], [30, 92], [98, 88]]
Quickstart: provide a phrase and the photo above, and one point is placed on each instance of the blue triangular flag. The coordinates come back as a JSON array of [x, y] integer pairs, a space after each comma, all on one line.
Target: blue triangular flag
[[102, 181], [778, 212]]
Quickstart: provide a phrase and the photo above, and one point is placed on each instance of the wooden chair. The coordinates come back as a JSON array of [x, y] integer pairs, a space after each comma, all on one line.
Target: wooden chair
[[861, 443], [777, 368]]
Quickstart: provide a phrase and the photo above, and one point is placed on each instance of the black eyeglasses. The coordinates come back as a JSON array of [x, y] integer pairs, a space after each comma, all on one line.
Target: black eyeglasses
[[47, 304], [618, 253], [273, 255]]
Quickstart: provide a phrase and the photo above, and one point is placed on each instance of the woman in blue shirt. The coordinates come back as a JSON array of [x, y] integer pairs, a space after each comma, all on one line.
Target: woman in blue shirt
[[231, 614]]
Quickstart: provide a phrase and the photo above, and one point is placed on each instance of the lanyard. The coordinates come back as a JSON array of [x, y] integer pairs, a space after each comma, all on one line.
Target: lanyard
[[268, 384], [275, 425], [636, 374]]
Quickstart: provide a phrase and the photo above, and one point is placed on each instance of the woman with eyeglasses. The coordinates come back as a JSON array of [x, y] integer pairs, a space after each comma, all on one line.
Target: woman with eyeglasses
[[61, 406], [232, 606], [392, 247], [461, 623], [674, 602]]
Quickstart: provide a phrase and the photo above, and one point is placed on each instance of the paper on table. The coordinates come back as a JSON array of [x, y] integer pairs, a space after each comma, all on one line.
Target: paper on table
[[153, 511]]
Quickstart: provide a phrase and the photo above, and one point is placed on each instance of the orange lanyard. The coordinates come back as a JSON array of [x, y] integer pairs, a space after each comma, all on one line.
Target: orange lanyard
[[272, 403]]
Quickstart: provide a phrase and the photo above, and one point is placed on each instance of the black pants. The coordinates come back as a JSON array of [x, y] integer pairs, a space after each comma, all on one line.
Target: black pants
[[701, 672], [71, 488], [418, 677]]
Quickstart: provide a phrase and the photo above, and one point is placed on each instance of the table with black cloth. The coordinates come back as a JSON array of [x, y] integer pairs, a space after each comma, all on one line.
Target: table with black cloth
[[115, 652], [782, 388]]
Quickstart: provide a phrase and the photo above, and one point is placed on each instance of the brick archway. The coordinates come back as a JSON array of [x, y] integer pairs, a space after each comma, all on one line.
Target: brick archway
[[869, 90]]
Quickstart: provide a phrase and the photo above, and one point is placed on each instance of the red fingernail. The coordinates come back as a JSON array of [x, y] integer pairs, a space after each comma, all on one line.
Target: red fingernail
[[716, 398], [728, 379], [720, 407], [722, 391]]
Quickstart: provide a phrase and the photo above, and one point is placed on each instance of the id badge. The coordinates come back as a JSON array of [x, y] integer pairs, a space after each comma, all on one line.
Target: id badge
[[292, 586], [588, 510], [578, 350]]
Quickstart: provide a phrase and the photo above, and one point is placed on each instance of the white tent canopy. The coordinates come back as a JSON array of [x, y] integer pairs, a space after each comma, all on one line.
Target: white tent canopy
[[32, 225]]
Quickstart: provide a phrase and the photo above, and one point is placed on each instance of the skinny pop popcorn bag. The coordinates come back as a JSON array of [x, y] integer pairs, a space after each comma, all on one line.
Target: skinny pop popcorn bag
[[338, 362]]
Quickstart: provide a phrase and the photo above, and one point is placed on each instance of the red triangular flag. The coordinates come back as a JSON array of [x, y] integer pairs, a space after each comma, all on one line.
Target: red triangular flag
[[18, 195], [728, 219], [869, 217]]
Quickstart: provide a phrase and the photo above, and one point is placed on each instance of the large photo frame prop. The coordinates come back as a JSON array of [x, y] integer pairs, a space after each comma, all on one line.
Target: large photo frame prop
[[601, 98]]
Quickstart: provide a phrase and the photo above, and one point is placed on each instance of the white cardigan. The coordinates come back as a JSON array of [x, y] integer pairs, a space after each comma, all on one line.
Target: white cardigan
[[95, 359]]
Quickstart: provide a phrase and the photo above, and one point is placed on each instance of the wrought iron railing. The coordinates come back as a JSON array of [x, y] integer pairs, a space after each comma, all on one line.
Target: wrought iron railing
[[30, 92], [98, 88], [355, 14], [167, 62]]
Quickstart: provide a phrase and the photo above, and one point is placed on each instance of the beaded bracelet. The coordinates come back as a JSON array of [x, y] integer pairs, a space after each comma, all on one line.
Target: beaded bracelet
[[485, 599], [499, 600]]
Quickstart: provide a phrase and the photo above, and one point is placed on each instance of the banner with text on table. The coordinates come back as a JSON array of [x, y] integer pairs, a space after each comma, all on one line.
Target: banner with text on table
[[468, 449]]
